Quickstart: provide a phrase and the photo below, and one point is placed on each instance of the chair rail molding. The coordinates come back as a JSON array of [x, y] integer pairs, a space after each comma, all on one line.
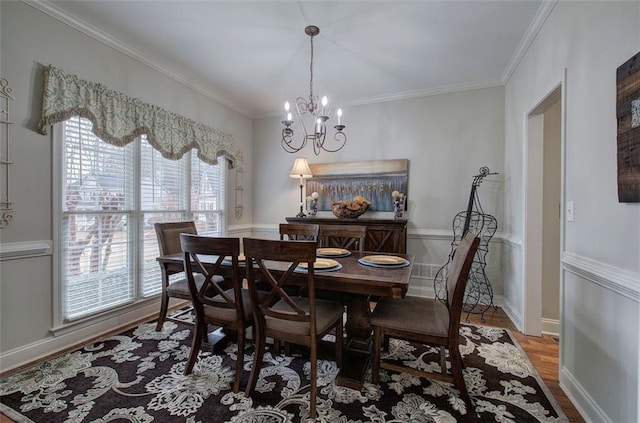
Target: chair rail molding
[[27, 249], [613, 278], [236, 229]]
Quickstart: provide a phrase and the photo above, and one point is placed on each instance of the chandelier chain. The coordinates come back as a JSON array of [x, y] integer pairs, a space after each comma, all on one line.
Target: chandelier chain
[[311, 72]]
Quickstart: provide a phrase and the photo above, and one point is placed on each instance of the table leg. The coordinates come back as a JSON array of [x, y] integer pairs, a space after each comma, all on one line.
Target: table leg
[[217, 338], [356, 355]]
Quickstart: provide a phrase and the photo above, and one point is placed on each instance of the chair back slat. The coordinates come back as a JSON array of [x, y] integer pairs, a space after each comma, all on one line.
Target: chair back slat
[[294, 252], [193, 246], [298, 232], [168, 234], [349, 237], [458, 276]]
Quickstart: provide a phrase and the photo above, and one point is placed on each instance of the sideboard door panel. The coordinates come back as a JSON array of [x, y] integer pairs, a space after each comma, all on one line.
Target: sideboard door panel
[[383, 235]]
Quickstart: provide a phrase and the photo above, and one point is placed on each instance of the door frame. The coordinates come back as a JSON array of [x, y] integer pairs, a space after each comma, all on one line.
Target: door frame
[[532, 209]]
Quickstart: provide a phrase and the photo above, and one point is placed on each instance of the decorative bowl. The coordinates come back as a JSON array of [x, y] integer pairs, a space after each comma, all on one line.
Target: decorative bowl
[[341, 211]]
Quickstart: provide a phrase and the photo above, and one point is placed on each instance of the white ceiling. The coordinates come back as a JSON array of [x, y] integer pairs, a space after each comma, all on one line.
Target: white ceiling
[[254, 55]]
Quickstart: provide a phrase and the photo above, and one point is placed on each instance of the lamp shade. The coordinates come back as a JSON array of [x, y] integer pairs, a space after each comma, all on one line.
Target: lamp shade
[[300, 169]]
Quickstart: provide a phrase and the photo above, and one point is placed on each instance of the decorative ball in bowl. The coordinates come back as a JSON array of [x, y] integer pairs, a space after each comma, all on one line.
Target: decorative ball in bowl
[[350, 209]]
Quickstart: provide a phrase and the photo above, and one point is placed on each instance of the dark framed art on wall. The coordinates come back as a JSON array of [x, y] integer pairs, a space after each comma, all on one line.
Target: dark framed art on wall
[[628, 117]]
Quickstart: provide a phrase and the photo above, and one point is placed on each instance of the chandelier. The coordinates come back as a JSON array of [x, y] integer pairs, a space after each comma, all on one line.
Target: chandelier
[[312, 117]]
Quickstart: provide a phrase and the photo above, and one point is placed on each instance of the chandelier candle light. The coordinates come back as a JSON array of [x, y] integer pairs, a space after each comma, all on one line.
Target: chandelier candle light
[[301, 170], [316, 115]]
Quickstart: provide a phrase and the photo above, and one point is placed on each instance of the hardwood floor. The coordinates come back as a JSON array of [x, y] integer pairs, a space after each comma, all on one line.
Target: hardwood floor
[[543, 353]]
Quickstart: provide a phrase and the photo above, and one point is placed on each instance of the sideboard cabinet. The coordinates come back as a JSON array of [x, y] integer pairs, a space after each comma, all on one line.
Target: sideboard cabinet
[[383, 235]]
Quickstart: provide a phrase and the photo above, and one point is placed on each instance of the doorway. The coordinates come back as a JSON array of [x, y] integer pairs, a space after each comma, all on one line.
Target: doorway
[[544, 203]]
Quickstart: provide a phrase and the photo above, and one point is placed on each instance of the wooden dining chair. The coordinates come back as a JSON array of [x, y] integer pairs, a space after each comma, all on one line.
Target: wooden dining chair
[[227, 308], [428, 321], [349, 237], [168, 235], [298, 232], [281, 316]]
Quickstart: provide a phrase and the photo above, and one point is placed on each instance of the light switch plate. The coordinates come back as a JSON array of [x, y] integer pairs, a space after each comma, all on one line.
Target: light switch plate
[[570, 211]]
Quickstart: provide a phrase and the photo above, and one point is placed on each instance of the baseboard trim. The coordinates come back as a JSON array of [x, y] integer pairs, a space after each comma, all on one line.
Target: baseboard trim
[[550, 326], [512, 313], [581, 399]]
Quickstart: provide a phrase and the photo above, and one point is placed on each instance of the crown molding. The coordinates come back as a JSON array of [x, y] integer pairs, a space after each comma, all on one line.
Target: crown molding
[[55, 12], [407, 95], [536, 24], [449, 89]]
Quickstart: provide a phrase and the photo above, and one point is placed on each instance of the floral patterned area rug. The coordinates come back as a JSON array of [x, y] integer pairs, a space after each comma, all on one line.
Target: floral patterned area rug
[[137, 376]]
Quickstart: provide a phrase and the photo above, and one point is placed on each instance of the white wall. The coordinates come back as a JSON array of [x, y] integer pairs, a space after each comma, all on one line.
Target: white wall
[[446, 138], [30, 39], [601, 257]]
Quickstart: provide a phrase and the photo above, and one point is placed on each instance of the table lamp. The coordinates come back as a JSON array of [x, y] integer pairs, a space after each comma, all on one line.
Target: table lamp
[[300, 170]]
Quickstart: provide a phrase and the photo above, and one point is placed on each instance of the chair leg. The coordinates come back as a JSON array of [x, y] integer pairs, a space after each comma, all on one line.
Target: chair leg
[[443, 361], [200, 331], [257, 361], [339, 342], [239, 360], [375, 359], [456, 369], [164, 305], [385, 343], [314, 380]]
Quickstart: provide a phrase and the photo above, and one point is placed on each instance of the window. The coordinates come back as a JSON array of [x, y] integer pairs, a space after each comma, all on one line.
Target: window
[[109, 199]]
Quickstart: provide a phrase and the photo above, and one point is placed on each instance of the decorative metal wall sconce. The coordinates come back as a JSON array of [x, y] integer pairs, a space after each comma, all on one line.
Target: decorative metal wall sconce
[[6, 206], [239, 208]]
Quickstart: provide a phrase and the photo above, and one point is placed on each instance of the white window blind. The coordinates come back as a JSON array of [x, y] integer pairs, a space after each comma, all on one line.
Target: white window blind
[[207, 199], [111, 197], [97, 259], [162, 199]]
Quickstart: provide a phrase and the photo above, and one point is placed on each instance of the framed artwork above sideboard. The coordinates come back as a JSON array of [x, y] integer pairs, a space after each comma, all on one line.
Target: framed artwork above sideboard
[[374, 180]]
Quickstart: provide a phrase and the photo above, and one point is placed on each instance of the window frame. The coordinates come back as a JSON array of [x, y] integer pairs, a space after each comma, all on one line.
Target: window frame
[[136, 217]]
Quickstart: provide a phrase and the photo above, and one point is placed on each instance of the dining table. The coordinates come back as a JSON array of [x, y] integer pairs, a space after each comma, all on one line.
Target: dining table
[[355, 281]]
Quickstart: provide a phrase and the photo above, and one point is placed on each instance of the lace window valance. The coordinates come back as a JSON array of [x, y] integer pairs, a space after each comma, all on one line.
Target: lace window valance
[[118, 119]]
